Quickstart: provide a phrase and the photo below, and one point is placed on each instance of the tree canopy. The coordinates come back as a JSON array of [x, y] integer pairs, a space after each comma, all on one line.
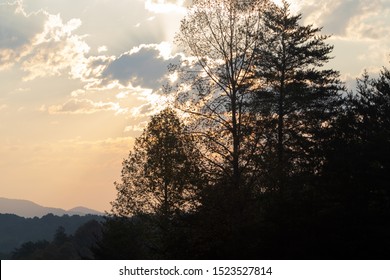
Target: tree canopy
[[161, 174]]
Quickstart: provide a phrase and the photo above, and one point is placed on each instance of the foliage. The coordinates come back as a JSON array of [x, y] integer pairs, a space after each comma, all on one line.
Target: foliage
[[297, 95], [161, 174], [122, 239], [63, 246], [215, 83], [15, 230]]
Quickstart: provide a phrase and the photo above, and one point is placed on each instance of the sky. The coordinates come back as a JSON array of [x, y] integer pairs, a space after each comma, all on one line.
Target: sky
[[79, 80]]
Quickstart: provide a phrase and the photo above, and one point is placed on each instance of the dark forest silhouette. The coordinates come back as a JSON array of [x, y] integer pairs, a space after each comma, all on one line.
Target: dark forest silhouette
[[277, 160], [49, 237]]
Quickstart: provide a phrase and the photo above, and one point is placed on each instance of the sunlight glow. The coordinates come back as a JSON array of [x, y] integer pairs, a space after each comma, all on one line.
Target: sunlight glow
[[164, 6], [294, 5]]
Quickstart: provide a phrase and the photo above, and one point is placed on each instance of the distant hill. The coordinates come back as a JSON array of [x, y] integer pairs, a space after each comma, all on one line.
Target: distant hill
[[83, 211], [15, 230], [29, 209]]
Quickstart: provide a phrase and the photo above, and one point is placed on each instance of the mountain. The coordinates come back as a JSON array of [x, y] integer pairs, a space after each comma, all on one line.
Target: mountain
[[29, 209], [84, 211]]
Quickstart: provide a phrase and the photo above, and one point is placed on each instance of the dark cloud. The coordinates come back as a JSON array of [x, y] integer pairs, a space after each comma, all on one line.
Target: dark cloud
[[18, 28], [145, 68]]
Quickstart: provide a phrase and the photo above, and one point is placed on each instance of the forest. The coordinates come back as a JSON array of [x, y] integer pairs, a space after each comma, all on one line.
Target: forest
[[49, 237], [262, 152]]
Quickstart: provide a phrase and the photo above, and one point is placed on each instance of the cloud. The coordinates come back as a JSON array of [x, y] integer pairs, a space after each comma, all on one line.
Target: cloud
[[144, 66], [348, 18], [89, 71], [40, 42], [102, 49], [108, 145], [360, 32], [84, 106], [136, 128], [16, 31], [53, 47], [17, 27], [56, 49]]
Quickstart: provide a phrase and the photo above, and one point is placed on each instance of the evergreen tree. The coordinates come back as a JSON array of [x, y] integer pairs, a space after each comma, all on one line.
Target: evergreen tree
[[355, 173], [296, 92]]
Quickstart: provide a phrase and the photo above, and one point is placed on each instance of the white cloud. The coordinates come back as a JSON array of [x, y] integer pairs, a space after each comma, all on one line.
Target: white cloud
[[360, 32], [56, 49], [136, 128], [77, 92], [102, 49], [40, 42], [122, 94], [351, 18], [84, 106]]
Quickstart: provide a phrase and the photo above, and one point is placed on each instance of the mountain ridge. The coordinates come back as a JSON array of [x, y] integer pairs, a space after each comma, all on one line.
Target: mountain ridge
[[29, 209]]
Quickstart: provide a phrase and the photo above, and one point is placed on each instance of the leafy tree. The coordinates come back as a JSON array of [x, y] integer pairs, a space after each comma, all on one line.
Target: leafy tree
[[60, 236], [63, 246], [30, 250], [86, 238], [161, 183], [122, 239], [216, 85], [221, 38], [161, 175], [296, 91]]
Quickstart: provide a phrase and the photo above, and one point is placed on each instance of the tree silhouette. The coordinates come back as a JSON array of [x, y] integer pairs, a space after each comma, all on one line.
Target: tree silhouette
[[295, 89], [215, 86], [353, 180], [262, 113], [161, 184], [161, 175]]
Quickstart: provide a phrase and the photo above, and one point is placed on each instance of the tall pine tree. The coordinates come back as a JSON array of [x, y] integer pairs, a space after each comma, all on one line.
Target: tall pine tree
[[295, 92]]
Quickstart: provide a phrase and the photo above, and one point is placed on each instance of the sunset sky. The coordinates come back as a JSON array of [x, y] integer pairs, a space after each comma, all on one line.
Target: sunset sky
[[78, 80]]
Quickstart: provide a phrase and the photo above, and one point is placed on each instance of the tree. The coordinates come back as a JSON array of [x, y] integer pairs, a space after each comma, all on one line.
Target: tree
[[60, 236], [358, 160], [295, 89], [221, 38], [161, 175], [355, 173], [122, 239]]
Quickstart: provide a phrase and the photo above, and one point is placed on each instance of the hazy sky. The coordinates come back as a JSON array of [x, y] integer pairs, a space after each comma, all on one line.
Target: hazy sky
[[78, 80]]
